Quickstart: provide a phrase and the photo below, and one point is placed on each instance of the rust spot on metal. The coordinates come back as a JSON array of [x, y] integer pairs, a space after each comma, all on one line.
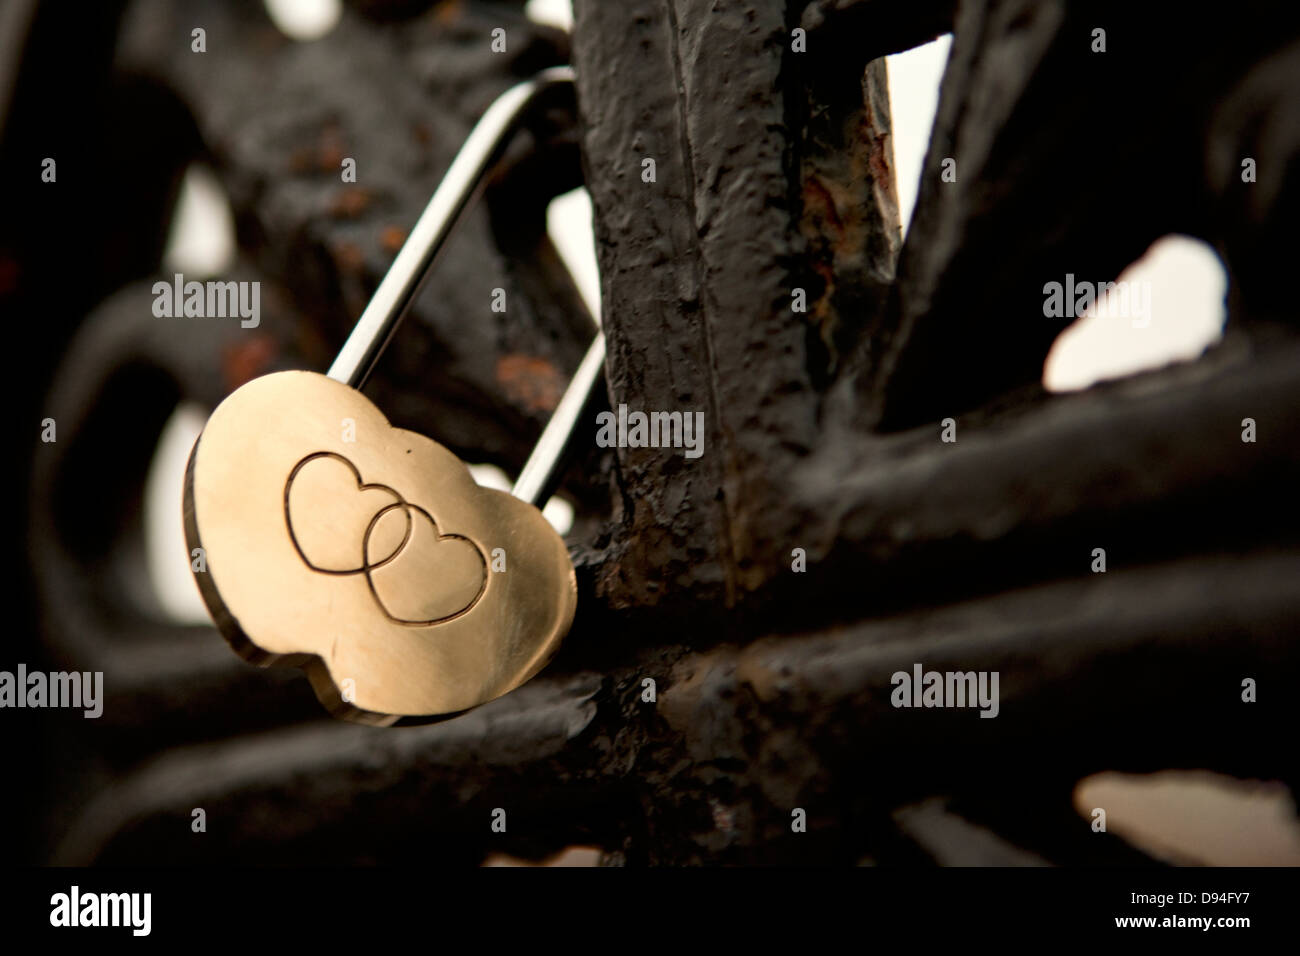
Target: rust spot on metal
[[325, 155], [350, 202], [391, 238], [246, 360], [330, 150], [448, 12], [530, 381], [349, 258], [878, 154], [820, 202]]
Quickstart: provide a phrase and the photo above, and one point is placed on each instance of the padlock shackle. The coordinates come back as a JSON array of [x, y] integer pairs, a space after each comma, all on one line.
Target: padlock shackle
[[541, 472], [398, 289], [458, 189]]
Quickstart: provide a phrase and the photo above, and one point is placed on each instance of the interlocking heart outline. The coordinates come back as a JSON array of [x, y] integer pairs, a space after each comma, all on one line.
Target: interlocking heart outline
[[367, 567]]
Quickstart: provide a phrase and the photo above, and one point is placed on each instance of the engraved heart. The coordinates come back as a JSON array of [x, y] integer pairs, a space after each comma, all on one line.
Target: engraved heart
[[329, 510], [450, 569], [343, 525]]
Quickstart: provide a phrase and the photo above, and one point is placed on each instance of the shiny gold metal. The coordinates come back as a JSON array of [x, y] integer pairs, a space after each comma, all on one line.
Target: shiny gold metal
[[365, 554], [403, 588]]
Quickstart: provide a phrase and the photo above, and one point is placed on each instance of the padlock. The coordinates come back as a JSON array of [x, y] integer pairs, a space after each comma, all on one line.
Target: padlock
[[366, 554]]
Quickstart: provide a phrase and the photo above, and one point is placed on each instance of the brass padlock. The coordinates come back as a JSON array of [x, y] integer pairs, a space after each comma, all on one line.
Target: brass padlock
[[367, 554]]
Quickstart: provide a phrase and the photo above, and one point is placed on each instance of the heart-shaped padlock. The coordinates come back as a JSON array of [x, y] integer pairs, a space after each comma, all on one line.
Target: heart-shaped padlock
[[367, 554]]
